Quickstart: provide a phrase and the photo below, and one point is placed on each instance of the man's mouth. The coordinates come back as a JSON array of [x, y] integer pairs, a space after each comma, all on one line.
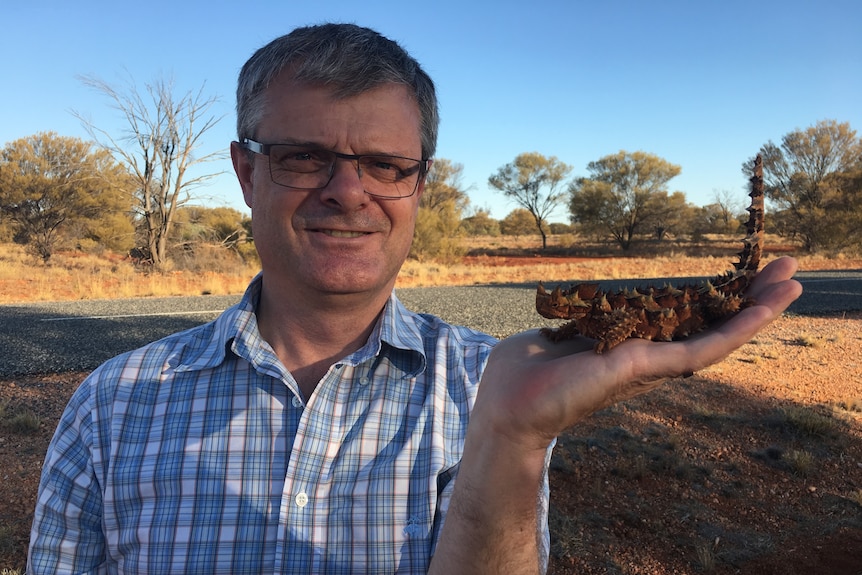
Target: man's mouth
[[342, 233]]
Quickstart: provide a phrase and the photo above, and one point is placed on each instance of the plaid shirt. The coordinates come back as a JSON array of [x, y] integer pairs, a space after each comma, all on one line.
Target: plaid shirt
[[198, 454]]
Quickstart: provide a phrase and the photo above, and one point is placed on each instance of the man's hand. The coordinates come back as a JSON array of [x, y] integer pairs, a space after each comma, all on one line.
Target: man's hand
[[533, 389]]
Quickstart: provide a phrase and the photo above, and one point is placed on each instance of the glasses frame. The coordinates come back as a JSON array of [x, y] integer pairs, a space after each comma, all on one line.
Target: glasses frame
[[264, 150]]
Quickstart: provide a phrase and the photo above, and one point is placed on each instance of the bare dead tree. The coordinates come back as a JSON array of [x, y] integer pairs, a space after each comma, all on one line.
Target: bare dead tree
[[729, 207], [159, 150]]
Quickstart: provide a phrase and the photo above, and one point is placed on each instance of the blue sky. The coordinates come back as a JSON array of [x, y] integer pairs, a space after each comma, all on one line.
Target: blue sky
[[700, 84]]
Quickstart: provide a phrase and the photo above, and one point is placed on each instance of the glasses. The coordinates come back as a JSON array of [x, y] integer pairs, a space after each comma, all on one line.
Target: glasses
[[304, 167]]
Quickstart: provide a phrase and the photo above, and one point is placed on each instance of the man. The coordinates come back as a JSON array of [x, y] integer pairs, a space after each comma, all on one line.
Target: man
[[318, 426]]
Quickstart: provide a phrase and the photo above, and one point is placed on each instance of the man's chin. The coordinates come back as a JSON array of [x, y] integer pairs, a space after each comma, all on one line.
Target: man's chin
[[353, 282]]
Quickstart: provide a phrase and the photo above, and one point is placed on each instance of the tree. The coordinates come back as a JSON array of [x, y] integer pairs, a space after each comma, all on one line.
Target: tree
[[440, 208], [210, 239], [805, 178], [559, 228], [849, 217], [728, 207], [670, 214], [532, 180], [48, 182], [713, 219], [443, 185], [519, 222], [160, 151], [223, 226], [480, 224], [437, 234], [623, 194]]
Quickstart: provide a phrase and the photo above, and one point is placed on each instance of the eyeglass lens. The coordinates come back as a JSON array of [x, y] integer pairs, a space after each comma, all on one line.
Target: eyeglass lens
[[301, 167]]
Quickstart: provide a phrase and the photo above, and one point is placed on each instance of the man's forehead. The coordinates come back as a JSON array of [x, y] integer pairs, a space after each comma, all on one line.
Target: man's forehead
[[385, 118], [288, 80], [287, 90]]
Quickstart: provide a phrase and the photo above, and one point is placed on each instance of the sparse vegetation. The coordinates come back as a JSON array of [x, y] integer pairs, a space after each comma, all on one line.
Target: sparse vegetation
[[23, 422], [705, 556], [810, 422], [853, 404], [801, 462], [567, 541], [79, 275], [836, 338], [632, 467], [807, 340], [98, 274]]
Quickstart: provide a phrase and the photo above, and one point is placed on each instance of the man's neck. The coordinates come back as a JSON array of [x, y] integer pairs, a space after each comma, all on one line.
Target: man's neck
[[309, 338]]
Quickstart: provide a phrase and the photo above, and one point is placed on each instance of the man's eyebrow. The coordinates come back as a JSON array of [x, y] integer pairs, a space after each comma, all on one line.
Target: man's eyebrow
[[318, 146], [293, 142]]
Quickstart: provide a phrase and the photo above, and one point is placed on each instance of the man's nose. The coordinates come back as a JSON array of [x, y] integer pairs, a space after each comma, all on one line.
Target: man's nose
[[345, 187]]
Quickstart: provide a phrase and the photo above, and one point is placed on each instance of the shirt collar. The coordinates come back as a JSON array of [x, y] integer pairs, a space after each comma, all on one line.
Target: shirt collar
[[236, 330], [396, 335]]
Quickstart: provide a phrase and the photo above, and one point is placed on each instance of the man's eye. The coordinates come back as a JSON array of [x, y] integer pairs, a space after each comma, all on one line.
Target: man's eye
[[303, 156], [383, 165]]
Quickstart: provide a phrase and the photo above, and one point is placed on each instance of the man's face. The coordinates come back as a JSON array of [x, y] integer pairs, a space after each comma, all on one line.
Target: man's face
[[337, 240]]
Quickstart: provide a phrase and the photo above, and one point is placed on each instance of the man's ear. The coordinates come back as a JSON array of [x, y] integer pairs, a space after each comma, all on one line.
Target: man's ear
[[243, 165]]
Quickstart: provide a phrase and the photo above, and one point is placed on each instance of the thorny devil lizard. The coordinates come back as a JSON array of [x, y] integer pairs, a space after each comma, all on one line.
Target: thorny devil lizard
[[661, 314]]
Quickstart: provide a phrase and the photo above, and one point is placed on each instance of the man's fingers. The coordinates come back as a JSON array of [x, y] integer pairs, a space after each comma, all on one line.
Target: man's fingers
[[777, 271]]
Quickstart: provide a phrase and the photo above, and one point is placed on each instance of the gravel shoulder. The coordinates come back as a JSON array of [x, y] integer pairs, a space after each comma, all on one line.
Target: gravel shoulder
[[79, 335]]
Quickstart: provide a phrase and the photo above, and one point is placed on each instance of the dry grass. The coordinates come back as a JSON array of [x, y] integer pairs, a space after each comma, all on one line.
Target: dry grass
[[810, 422], [22, 421], [77, 275], [497, 270]]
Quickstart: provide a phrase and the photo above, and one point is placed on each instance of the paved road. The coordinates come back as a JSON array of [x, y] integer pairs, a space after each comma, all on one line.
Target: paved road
[[63, 336]]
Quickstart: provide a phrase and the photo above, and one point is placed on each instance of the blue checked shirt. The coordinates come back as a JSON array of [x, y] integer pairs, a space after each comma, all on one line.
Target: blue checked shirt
[[198, 454]]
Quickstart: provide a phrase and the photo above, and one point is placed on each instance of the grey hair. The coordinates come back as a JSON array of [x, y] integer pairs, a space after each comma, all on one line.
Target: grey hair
[[348, 58]]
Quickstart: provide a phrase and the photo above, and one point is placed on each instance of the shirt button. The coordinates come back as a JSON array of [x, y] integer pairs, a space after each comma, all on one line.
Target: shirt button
[[301, 499], [363, 381], [296, 402]]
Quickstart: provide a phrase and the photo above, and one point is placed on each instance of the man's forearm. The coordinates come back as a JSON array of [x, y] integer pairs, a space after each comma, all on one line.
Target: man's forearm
[[492, 525]]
